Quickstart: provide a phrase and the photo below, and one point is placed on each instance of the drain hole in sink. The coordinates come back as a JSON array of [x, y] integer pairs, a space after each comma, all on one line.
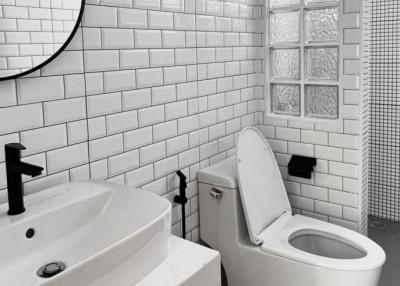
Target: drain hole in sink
[[51, 269]]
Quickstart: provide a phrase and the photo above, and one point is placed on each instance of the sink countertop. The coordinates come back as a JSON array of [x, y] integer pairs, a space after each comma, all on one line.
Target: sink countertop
[[188, 264]]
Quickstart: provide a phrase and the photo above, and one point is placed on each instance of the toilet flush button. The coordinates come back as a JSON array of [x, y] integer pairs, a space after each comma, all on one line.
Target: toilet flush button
[[216, 194]]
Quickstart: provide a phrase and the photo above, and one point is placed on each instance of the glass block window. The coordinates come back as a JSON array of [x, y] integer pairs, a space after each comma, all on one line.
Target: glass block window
[[303, 52], [322, 101], [285, 99], [285, 27], [322, 63], [285, 63], [321, 25]]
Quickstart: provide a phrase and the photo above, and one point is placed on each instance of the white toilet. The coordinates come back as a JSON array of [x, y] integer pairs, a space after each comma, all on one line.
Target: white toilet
[[261, 242]]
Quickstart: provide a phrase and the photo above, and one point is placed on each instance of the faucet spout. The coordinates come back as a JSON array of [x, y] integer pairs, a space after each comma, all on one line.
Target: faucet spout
[[15, 169], [28, 169]]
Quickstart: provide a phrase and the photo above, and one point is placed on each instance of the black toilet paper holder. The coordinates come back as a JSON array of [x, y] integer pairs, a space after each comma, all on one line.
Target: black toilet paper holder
[[301, 166]]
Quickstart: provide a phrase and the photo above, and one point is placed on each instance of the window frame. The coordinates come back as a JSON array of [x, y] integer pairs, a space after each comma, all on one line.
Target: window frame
[[302, 45]]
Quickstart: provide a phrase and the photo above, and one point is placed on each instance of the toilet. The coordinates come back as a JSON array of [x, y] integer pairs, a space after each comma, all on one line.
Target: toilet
[[246, 215]]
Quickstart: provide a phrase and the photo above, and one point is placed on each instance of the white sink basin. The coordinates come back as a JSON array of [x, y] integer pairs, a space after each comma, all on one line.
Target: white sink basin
[[92, 227]]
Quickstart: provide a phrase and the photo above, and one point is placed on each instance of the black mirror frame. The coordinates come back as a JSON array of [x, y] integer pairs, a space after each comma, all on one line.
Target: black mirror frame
[[56, 54]]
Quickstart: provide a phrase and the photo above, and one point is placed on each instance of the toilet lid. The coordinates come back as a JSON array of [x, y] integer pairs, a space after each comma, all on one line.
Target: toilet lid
[[262, 191]]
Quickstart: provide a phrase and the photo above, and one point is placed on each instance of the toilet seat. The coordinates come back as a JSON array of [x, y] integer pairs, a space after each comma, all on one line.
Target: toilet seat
[[276, 240], [270, 221], [263, 194]]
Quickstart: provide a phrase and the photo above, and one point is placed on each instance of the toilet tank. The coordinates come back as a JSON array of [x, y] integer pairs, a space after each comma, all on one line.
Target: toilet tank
[[219, 204]]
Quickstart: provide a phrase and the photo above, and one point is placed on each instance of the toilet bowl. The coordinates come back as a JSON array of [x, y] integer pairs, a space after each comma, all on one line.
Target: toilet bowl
[[245, 214]]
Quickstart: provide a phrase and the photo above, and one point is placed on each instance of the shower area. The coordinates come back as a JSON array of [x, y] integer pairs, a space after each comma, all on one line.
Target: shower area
[[384, 149]]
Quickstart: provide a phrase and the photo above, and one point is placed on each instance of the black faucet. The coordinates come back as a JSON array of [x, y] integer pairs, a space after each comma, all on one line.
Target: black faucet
[[15, 169]]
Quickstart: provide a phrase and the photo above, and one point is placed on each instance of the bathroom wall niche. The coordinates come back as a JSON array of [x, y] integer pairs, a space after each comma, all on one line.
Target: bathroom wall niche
[[33, 33]]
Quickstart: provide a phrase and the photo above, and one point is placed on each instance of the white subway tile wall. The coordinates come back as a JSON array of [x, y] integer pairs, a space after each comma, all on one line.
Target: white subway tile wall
[[145, 88], [337, 192], [32, 31]]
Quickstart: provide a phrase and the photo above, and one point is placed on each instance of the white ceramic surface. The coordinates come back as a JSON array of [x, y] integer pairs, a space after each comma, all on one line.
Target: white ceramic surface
[[277, 261], [189, 264], [92, 227]]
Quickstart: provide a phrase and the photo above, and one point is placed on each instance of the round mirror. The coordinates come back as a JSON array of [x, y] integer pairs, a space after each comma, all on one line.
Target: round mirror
[[34, 32]]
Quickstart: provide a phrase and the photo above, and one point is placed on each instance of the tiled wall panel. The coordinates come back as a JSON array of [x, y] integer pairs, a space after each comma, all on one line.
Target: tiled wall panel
[[32, 31], [384, 182], [337, 190], [145, 88]]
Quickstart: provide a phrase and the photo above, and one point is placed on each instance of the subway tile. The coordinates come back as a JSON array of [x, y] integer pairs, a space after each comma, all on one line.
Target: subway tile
[[134, 59], [97, 127], [149, 77], [100, 16], [44, 139], [173, 5], [99, 170], [173, 39], [160, 20], [163, 94], [328, 181], [77, 132], [147, 4], [188, 157], [165, 166], [162, 57], [120, 122], [138, 138], [140, 176], [135, 99], [343, 198], [343, 169], [132, 18], [74, 85], [343, 140], [328, 209], [32, 90], [177, 144], [8, 93], [117, 39], [151, 115], [152, 153], [104, 60], [147, 39], [94, 83], [165, 130], [20, 118], [103, 104], [67, 158], [123, 163], [176, 110], [119, 80], [105, 147], [5, 139]]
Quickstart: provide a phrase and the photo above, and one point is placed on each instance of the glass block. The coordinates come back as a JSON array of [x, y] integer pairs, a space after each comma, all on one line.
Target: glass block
[[308, 2], [285, 63], [285, 27], [322, 63], [322, 101], [285, 99], [321, 25], [281, 3]]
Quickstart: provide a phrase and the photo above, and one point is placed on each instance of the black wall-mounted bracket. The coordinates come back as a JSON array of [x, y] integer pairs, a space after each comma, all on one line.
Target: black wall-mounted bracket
[[300, 166]]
